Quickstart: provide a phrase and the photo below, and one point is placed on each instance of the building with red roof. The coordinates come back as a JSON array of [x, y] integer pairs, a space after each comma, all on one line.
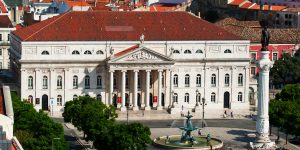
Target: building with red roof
[[147, 60]]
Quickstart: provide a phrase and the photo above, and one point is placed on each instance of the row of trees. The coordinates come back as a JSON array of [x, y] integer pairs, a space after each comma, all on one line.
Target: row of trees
[[284, 111], [97, 121], [35, 130]]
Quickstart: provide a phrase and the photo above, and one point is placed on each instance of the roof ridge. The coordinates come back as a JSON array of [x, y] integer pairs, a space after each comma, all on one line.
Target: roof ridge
[[59, 17]]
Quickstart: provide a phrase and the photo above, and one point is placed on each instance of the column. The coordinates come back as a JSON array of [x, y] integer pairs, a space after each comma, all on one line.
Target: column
[[147, 105], [168, 89], [135, 84], [111, 87], [123, 107], [159, 107]]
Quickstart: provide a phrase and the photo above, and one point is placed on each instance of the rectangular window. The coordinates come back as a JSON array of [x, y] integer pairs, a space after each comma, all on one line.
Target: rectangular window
[[99, 82], [8, 37], [59, 101], [213, 80], [275, 56], [0, 37], [253, 57], [0, 65], [0, 52], [253, 71], [226, 80]]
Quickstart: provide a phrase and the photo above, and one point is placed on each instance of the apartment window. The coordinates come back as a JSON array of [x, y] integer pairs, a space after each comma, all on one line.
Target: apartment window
[[213, 97], [75, 52], [187, 51], [175, 80], [199, 51], [198, 80], [59, 100], [187, 80], [240, 97], [275, 56], [175, 97], [176, 52], [75, 82], [99, 82], [87, 52], [227, 51], [45, 53], [213, 80], [253, 57], [0, 52], [198, 97], [226, 79], [59, 82], [0, 65], [99, 52], [99, 97], [186, 97], [30, 82], [8, 37], [0, 37], [75, 97], [45, 82], [240, 80], [253, 71], [87, 82]]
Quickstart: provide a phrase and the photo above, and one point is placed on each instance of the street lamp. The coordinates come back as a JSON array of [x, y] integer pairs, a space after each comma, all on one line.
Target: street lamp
[[203, 104], [197, 96], [52, 147]]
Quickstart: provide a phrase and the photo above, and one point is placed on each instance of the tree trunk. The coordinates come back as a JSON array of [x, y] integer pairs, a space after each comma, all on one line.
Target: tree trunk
[[286, 138]]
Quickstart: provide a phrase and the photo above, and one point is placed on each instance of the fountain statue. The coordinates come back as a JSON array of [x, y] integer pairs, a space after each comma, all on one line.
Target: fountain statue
[[186, 133]]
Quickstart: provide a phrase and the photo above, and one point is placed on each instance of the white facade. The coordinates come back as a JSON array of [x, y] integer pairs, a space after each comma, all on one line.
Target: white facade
[[41, 73], [289, 3], [4, 46]]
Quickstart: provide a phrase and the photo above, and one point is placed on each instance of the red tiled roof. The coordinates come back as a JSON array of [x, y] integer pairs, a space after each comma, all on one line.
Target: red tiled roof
[[127, 50], [77, 3], [246, 5], [3, 9], [255, 6], [278, 8], [5, 22], [95, 26], [236, 2]]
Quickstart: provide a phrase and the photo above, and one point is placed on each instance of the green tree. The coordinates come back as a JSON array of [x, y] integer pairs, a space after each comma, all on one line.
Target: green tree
[[35, 130], [285, 71]]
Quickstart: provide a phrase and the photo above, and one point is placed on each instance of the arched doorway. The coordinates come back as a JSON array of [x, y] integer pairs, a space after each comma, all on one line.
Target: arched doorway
[[115, 100], [139, 99], [45, 102], [163, 99], [251, 96], [127, 100], [151, 100], [226, 100]]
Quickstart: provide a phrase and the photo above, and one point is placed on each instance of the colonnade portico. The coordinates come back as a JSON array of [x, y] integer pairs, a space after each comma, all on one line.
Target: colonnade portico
[[157, 88]]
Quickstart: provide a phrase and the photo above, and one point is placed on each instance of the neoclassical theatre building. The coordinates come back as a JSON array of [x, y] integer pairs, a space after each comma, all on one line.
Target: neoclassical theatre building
[[136, 60]]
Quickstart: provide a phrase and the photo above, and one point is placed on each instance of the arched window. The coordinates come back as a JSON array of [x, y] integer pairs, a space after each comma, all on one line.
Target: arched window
[[198, 97], [99, 52], [187, 80], [75, 52], [59, 82], [99, 97], [240, 80], [226, 79], [30, 99], [176, 51], [87, 52], [187, 51], [87, 82], [227, 51], [198, 80], [186, 97], [75, 97], [45, 53], [45, 82], [75, 82], [59, 100], [175, 97], [213, 80], [240, 97], [99, 82], [199, 51], [213, 97], [30, 82], [175, 80]]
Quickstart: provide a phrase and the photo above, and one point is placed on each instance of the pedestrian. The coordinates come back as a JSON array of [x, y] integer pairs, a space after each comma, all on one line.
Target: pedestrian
[[231, 114], [143, 113], [199, 132], [225, 112]]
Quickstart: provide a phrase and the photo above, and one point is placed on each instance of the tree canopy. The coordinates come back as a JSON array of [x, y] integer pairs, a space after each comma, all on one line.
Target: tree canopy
[[97, 121], [35, 130], [285, 71]]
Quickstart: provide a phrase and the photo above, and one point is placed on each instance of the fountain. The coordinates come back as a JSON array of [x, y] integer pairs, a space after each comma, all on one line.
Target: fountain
[[186, 140]]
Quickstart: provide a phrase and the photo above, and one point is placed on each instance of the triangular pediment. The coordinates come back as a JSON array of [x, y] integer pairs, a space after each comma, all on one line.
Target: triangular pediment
[[142, 55]]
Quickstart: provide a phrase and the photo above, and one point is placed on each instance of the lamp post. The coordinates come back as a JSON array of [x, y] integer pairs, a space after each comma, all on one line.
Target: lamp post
[[197, 100], [52, 147], [203, 104]]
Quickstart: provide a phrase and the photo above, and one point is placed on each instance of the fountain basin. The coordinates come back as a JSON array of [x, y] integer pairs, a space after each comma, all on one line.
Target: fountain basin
[[174, 143]]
